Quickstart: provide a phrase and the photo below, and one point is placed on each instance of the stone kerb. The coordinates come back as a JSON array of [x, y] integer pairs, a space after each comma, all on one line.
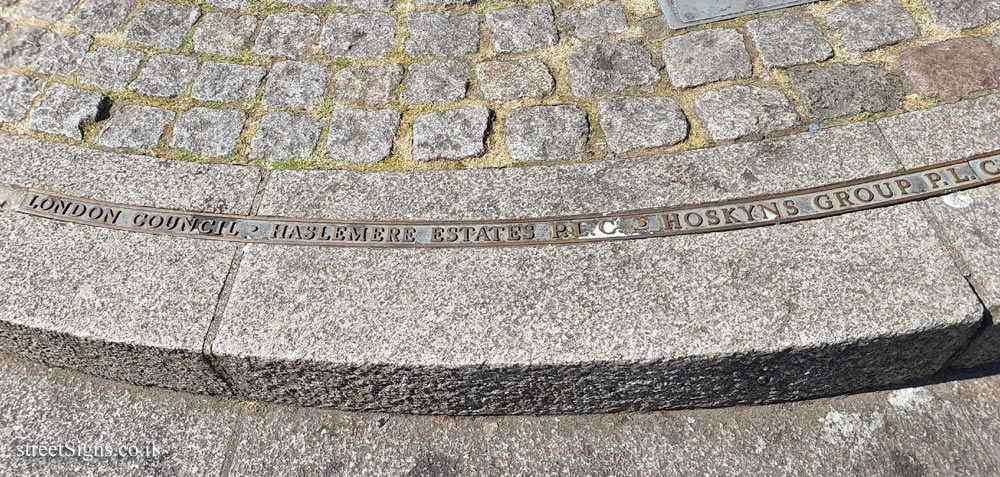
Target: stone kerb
[[745, 316], [117, 305]]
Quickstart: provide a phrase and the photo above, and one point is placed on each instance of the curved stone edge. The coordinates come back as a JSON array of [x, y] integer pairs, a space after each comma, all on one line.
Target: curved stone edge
[[253, 379], [601, 387], [750, 316]]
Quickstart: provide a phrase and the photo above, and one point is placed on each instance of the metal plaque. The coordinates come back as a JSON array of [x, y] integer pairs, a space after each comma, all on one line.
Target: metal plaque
[[826, 201], [684, 13]]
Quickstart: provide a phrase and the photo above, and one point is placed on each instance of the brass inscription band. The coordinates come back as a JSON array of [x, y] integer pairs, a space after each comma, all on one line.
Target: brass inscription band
[[808, 204]]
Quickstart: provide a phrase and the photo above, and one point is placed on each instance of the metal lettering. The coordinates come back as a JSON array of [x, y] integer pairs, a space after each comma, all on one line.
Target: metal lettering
[[815, 203]]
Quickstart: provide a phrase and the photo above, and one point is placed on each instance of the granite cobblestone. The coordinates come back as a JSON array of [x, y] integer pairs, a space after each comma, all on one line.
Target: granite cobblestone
[[133, 127], [223, 34], [437, 81], [789, 40], [706, 56], [65, 110], [208, 132], [110, 69], [872, 25], [360, 136], [313, 62], [285, 136], [296, 84], [165, 76], [517, 29], [102, 16], [64, 56], [358, 35], [161, 25], [19, 91], [286, 34], [226, 82]]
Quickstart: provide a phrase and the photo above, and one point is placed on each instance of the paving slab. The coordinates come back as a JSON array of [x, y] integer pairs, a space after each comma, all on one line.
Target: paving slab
[[921, 429], [948, 132], [940, 429], [170, 433], [112, 309], [970, 224], [977, 398]]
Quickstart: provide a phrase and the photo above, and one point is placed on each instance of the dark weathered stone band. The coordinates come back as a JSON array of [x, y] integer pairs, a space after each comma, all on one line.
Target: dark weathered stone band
[[808, 204]]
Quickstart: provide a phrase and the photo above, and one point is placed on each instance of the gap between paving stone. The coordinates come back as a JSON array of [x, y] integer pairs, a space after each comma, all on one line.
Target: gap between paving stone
[[227, 288]]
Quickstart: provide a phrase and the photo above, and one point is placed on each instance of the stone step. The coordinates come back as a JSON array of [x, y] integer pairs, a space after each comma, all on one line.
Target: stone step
[[950, 428], [791, 311]]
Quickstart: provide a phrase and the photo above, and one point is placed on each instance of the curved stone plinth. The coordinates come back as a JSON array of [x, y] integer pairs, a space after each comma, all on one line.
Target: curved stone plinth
[[787, 311]]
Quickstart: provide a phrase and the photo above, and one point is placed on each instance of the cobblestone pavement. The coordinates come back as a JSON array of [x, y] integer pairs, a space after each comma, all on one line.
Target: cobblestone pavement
[[415, 84]]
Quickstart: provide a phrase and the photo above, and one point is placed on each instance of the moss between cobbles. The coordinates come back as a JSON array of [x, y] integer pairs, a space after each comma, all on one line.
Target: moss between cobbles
[[554, 57]]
